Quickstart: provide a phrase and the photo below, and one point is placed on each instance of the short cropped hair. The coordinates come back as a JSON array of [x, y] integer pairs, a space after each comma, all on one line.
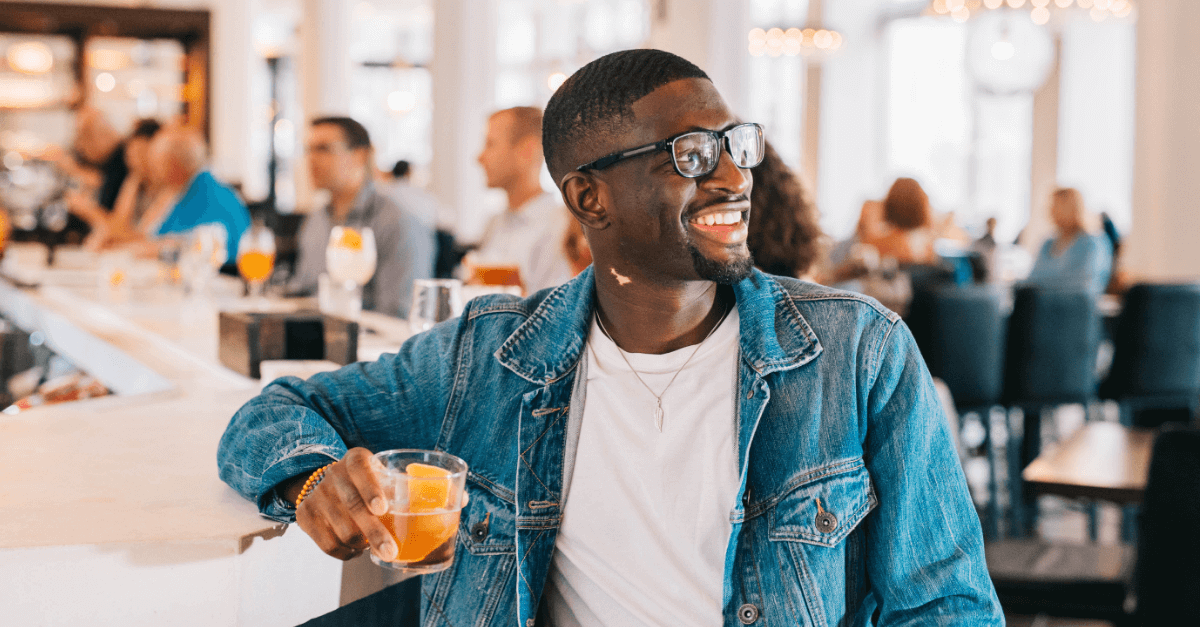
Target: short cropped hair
[[598, 98], [907, 206], [526, 122], [354, 134]]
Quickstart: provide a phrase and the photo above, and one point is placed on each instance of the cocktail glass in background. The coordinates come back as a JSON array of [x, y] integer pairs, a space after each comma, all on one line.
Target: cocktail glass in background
[[425, 492], [256, 259], [497, 275], [204, 256], [350, 263], [113, 281], [434, 300]]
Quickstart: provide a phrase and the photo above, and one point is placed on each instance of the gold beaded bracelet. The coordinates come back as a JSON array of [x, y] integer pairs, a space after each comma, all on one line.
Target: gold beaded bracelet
[[312, 482]]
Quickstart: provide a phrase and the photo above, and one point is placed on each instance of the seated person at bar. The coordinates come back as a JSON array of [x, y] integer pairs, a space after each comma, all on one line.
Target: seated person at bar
[[910, 236], [671, 438], [137, 192], [1073, 258], [339, 155], [529, 234], [187, 194], [98, 165]]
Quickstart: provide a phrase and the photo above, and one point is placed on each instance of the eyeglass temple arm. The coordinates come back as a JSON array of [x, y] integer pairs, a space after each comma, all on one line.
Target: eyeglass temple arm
[[604, 162]]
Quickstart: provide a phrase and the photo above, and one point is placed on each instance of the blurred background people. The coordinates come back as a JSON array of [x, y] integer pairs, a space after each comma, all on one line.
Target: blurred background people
[[986, 249], [531, 232], [96, 164], [1075, 256], [413, 200], [909, 235], [187, 194], [339, 154], [784, 232], [136, 193]]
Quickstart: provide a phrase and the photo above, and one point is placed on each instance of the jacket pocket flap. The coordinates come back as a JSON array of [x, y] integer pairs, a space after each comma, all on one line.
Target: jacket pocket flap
[[825, 510], [488, 523]]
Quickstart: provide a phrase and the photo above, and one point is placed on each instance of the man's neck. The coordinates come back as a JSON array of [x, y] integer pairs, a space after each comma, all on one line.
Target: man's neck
[[341, 201], [522, 193], [656, 318]]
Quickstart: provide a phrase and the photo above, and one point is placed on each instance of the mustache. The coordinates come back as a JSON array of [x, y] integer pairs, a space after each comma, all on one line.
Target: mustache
[[720, 201]]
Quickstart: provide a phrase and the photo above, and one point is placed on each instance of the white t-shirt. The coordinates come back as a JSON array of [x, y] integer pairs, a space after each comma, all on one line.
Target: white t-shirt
[[531, 237], [647, 517]]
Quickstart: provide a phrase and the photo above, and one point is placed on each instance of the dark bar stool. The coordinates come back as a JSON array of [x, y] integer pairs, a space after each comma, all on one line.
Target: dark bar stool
[[1167, 579], [1053, 338], [960, 331], [1156, 358]]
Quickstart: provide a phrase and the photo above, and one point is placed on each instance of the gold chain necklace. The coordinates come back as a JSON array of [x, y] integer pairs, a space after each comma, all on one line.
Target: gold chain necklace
[[658, 410]]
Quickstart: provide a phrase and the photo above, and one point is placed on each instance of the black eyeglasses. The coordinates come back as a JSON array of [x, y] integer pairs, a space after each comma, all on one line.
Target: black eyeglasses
[[696, 153]]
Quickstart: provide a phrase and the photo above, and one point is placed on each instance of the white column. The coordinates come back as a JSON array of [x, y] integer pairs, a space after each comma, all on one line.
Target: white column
[[853, 133], [463, 92], [1166, 190], [325, 57], [324, 76], [1044, 159], [232, 51]]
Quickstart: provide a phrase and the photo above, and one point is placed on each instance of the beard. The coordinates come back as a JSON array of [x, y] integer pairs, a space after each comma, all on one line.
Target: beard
[[721, 272]]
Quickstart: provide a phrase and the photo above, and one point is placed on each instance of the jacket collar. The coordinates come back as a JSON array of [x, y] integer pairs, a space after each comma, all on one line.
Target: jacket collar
[[548, 345]]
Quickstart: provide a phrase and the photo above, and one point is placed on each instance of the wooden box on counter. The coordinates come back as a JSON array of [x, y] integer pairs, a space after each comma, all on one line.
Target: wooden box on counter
[[249, 338]]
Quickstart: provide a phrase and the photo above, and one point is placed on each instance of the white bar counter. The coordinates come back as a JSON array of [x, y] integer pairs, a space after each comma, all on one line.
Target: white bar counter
[[111, 510]]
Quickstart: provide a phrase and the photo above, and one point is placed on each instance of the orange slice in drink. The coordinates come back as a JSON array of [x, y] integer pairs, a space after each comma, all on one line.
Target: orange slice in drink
[[428, 487], [423, 528], [350, 239]]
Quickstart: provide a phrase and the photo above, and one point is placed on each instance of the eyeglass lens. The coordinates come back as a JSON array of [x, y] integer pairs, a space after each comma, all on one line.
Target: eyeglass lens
[[696, 154]]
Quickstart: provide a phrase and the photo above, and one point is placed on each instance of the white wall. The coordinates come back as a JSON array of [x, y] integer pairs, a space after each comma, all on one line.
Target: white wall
[[1166, 188]]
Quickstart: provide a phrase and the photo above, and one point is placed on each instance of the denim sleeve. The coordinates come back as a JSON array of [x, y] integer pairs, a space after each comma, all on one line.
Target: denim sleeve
[[925, 556], [297, 426]]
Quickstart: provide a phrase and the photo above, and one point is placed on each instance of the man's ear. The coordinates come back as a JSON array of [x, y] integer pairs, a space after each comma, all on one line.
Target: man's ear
[[585, 197]]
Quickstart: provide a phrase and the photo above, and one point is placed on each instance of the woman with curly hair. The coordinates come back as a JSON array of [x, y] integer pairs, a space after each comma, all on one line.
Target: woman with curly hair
[[785, 236]]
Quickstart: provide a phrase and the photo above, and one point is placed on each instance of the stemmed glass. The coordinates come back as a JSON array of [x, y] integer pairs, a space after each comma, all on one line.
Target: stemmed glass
[[204, 257], [350, 260], [256, 259]]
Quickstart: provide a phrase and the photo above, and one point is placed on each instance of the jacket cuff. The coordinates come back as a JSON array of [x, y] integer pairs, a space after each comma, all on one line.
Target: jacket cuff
[[304, 461]]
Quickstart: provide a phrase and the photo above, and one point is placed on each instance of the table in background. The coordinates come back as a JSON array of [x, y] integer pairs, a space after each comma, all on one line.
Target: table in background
[[1103, 460]]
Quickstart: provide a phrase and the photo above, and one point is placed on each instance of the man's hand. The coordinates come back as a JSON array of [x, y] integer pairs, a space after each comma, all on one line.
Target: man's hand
[[341, 514]]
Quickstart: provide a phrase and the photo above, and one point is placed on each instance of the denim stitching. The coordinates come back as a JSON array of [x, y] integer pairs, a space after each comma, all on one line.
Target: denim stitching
[[811, 594], [828, 470], [462, 366]]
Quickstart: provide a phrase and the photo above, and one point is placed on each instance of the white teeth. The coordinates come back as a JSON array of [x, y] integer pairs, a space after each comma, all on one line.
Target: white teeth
[[713, 219]]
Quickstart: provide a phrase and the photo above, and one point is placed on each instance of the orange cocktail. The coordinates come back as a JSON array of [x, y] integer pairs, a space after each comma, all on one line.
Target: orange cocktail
[[426, 497], [256, 266]]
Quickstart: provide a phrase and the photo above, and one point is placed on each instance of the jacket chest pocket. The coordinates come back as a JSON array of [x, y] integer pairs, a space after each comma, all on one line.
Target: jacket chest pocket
[[824, 510], [488, 524]]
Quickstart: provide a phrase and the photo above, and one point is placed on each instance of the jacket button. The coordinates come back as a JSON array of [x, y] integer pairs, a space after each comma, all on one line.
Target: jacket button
[[479, 531], [747, 614], [826, 522], [529, 622]]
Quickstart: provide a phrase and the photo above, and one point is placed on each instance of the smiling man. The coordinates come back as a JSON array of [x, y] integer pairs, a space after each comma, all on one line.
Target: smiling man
[[672, 438]]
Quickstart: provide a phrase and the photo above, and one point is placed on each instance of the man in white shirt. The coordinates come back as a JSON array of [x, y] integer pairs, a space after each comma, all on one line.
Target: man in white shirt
[[531, 233]]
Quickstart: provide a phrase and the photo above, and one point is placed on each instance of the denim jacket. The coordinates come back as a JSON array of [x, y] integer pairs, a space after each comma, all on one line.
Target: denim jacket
[[851, 502]]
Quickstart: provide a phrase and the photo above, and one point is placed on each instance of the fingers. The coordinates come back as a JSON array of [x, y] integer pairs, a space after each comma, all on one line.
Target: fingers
[[337, 516], [365, 501]]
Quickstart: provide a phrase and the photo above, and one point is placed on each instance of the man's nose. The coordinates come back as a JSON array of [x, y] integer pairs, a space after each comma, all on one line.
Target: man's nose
[[728, 176]]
